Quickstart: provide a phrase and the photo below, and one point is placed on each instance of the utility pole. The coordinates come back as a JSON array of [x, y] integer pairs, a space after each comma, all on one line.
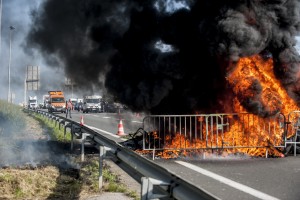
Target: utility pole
[[25, 90], [9, 96], [0, 27]]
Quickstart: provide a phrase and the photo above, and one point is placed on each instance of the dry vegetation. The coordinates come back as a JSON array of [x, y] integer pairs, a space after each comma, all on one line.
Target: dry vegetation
[[46, 179], [28, 183], [50, 182]]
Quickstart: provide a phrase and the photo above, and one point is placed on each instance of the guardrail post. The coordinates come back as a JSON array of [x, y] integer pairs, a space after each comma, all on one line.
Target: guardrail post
[[83, 139], [56, 120], [147, 188], [101, 158], [82, 146], [65, 130], [72, 136], [59, 123]]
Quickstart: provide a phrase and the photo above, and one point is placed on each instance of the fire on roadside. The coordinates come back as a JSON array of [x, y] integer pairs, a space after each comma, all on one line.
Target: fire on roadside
[[253, 82]]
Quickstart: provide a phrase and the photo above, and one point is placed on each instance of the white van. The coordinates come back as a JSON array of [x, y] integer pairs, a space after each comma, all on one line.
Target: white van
[[92, 104]]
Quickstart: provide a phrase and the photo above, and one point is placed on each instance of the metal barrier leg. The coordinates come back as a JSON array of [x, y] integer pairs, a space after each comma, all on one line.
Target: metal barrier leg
[[153, 154], [295, 146], [294, 142]]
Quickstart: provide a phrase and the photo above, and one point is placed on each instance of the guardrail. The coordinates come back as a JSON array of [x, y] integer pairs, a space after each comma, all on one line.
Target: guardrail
[[171, 185]]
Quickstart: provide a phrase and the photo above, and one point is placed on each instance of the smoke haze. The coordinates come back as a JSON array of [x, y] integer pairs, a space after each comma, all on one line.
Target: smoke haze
[[17, 14], [166, 56]]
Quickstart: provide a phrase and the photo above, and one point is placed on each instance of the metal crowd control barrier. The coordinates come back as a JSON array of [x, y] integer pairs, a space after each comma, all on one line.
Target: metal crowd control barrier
[[213, 132]]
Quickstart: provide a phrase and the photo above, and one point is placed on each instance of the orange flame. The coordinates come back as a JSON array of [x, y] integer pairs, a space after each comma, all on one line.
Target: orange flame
[[255, 68], [252, 78]]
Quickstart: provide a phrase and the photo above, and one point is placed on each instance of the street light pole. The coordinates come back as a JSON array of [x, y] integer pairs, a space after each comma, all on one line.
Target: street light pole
[[9, 96], [0, 27]]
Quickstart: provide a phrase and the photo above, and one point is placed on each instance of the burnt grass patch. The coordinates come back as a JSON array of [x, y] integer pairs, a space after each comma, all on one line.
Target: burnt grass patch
[[45, 169]]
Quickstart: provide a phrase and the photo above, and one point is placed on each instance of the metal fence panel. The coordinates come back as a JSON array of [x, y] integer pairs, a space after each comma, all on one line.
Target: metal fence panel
[[212, 131]]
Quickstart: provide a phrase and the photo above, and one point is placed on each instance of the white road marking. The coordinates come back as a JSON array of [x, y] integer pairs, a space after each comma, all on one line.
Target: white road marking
[[229, 182], [137, 122], [106, 117]]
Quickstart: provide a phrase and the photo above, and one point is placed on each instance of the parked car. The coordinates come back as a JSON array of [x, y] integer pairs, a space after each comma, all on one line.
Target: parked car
[[109, 108]]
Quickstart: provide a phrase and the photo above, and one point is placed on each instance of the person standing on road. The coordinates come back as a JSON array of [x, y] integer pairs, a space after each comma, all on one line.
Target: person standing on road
[[69, 107], [79, 106]]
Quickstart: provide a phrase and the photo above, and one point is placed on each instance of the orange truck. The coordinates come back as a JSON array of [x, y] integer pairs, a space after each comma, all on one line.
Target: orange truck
[[56, 102]]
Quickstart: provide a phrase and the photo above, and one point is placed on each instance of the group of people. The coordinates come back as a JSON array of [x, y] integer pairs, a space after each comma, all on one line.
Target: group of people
[[70, 106]]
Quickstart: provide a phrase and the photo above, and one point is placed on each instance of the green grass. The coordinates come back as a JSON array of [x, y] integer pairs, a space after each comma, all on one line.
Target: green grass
[[56, 133], [111, 180], [6, 178], [11, 118], [19, 193]]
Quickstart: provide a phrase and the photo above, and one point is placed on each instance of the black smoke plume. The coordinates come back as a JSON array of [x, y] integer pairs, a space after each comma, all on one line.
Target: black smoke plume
[[168, 56]]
